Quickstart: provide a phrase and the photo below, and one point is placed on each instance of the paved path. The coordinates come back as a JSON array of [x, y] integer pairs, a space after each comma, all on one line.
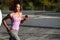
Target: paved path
[[33, 33]]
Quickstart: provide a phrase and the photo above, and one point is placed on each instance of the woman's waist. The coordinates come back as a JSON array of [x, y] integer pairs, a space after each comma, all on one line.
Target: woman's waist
[[14, 27]]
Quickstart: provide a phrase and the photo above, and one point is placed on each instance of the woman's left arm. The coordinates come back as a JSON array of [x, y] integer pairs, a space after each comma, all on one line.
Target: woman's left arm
[[24, 19]]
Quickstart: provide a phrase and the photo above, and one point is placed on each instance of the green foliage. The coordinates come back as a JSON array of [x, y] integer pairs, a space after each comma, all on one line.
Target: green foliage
[[48, 5], [31, 5], [51, 5], [1, 7]]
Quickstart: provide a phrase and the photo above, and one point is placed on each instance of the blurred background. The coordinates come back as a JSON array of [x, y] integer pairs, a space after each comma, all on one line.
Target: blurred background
[[43, 22], [40, 5]]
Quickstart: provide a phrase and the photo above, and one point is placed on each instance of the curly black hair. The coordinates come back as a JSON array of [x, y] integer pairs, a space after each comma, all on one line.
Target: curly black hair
[[13, 5]]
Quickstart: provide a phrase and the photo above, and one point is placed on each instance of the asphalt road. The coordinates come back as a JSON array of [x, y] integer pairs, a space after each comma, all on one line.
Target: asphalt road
[[41, 21], [33, 33]]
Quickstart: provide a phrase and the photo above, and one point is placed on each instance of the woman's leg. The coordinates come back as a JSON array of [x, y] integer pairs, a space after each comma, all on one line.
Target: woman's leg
[[10, 38], [14, 35]]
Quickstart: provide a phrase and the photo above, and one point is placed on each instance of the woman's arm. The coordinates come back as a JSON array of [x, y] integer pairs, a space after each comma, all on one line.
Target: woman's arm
[[25, 18], [5, 23]]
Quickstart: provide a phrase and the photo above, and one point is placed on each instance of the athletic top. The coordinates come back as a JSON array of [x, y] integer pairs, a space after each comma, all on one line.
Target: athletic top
[[15, 22]]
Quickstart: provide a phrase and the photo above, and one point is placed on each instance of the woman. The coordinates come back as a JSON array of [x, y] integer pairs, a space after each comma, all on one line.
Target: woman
[[16, 19]]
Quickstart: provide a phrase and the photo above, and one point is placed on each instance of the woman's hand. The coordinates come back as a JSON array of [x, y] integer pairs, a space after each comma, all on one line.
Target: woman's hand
[[8, 29], [26, 16]]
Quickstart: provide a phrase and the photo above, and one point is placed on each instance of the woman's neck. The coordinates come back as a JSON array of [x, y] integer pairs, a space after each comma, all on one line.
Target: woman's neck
[[16, 11]]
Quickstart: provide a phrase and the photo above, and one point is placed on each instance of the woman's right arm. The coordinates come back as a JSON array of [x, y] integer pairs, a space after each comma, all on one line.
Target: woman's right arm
[[5, 23]]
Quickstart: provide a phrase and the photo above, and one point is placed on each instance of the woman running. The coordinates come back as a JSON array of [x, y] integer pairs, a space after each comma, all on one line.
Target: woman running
[[16, 20]]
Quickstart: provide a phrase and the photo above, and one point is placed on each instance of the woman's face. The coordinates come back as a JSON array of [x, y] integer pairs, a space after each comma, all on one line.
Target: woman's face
[[18, 7]]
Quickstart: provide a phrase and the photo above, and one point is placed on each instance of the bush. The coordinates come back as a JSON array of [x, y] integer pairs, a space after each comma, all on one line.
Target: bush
[[1, 7]]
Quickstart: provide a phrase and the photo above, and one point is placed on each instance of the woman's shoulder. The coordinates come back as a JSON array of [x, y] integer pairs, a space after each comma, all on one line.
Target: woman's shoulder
[[11, 14]]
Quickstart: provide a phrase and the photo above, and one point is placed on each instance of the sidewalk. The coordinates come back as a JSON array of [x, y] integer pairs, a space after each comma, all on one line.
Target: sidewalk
[[34, 33], [1, 38]]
